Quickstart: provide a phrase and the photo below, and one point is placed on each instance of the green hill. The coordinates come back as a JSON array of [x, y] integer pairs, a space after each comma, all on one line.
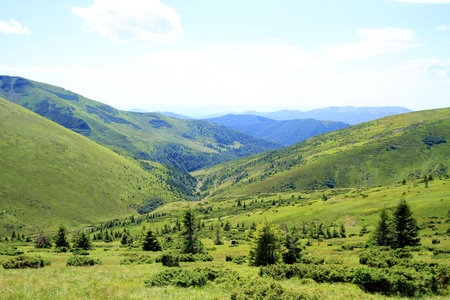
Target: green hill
[[381, 152], [51, 175], [186, 144]]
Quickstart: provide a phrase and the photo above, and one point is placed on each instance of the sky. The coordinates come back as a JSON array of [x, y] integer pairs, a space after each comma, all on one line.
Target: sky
[[196, 57]]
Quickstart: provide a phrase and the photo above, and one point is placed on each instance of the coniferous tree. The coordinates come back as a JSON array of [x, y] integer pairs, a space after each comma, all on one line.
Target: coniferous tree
[[382, 235], [191, 243], [267, 247], [293, 249], [227, 226], [83, 241], [405, 229], [61, 237], [150, 242], [217, 235], [342, 231]]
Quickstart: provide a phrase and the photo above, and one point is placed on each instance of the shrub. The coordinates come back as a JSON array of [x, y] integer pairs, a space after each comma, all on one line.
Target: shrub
[[264, 289], [10, 251], [23, 261], [136, 259], [82, 261], [319, 273], [178, 277], [168, 259], [398, 280], [237, 259], [79, 252], [435, 241]]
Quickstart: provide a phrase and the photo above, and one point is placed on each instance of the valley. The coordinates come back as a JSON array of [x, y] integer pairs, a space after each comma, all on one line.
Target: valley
[[120, 179]]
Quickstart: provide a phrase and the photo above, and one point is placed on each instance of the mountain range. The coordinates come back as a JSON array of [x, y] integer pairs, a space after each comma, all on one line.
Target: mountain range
[[287, 133], [185, 144], [381, 152], [347, 114]]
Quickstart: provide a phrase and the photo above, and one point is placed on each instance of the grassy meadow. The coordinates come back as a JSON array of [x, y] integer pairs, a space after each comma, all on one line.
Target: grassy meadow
[[352, 207]]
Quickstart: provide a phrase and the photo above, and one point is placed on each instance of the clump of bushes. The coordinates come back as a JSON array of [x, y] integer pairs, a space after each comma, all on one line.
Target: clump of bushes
[[82, 261], [172, 259], [237, 259], [319, 273], [401, 281], [186, 277], [24, 261], [10, 251], [393, 272], [261, 288], [136, 259], [79, 252]]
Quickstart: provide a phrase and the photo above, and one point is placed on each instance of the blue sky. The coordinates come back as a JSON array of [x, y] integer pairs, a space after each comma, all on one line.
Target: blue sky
[[200, 56]]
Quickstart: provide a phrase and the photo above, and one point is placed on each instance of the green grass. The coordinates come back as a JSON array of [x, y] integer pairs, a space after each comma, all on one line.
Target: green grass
[[51, 175], [113, 280]]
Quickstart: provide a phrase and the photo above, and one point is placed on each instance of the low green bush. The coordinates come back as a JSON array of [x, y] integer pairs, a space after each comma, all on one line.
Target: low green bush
[[237, 259], [82, 261], [23, 262], [10, 251], [168, 259], [319, 273], [265, 289], [79, 252], [396, 281], [136, 259]]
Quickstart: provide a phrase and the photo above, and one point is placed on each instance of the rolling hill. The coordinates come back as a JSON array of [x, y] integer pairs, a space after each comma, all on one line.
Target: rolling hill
[[51, 175], [381, 152], [287, 132], [347, 114], [185, 144]]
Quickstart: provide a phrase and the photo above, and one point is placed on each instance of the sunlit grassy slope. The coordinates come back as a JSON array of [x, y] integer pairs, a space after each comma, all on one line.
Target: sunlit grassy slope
[[186, 144], [51, 175], [377, 153]]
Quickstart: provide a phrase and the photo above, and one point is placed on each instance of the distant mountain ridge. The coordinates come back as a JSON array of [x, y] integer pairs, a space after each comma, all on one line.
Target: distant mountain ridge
[[185, 144], [347, 114], [287, 133]]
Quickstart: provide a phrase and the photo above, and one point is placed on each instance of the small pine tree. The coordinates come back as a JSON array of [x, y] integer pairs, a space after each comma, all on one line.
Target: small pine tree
[[382, 235], [405, 229], [217, 235], [61, 237], [83, 241], [227, 226], [363, 231], [150, 242], [190, 240], [293, 249], [342, 231], [267, 246]]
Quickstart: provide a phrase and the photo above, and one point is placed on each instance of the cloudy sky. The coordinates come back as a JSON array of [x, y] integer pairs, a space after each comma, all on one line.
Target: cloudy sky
[[199, 56]]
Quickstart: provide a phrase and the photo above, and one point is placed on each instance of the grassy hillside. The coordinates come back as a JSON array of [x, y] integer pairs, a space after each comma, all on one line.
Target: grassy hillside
[[287, 132], [51, 175], [376, 153], [186, 144]]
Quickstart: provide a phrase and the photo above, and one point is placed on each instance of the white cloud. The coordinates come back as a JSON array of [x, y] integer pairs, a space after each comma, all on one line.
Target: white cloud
[[424, 1], [375, 42], [147, 21], [443, 28], [13, 27]]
